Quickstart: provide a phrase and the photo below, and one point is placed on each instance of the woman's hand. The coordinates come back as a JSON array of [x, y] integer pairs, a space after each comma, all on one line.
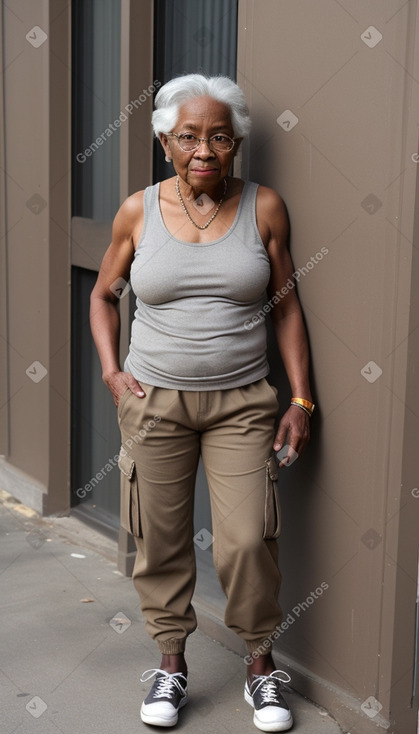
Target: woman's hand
[[117, 383], [294, 432]]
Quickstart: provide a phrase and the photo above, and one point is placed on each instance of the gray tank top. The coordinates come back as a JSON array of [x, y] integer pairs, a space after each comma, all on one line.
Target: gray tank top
[[195, 302]]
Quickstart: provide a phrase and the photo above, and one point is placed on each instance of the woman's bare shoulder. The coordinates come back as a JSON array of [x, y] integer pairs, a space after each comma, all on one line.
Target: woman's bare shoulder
[[132, 207], [272, 215], [129, 218], [270, 199]]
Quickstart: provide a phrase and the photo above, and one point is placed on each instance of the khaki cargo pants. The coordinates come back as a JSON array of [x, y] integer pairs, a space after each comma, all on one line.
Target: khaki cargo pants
[[162, 436]]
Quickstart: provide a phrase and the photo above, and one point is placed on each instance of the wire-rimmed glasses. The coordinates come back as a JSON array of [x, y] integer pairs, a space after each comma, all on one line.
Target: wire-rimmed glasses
[[219, 142]]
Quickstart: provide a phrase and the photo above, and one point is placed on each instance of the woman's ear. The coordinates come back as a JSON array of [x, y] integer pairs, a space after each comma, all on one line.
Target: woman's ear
[[166, 147]]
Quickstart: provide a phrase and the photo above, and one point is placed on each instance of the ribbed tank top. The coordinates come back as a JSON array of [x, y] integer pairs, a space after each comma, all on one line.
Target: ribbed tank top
[[193, 301]]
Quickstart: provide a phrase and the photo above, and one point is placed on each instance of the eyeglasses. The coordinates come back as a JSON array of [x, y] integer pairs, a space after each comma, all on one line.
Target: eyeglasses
[[189, 142]]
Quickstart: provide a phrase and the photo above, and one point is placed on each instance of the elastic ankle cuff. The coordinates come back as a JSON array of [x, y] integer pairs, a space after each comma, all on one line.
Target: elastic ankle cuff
[[257, 648], [173, 646]]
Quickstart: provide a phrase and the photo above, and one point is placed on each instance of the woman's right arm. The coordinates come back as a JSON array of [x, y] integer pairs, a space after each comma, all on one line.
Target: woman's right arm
[[104, 315]]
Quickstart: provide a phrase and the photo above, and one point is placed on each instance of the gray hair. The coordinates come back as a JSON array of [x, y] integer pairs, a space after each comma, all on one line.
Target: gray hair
[[176, 92]]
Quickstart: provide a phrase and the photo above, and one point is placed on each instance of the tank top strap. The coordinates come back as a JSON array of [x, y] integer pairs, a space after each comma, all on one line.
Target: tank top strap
[[151, 210], [246, 220]]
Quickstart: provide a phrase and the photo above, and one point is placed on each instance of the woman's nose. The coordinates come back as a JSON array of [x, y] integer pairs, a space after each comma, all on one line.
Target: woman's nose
[[207, 150]]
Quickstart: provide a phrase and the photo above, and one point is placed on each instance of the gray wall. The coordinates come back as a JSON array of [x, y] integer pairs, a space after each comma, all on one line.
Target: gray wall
[[35, 389], [346, 173]]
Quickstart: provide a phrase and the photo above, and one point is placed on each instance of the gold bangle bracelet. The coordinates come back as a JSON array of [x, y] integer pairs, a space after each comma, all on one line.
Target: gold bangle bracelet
[[307, 404]]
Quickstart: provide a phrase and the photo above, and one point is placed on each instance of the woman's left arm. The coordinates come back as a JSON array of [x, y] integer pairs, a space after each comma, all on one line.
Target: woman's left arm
[[286, 315]]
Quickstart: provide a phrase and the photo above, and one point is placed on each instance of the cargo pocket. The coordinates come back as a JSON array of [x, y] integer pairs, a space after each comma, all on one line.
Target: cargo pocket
[[272, 525], [130, 498]]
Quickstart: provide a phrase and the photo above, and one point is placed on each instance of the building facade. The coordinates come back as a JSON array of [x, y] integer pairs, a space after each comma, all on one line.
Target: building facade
[[333, 91]]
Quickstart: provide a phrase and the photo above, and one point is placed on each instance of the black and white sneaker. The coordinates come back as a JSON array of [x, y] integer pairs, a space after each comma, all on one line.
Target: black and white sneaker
[[167, 695], [272, 712]]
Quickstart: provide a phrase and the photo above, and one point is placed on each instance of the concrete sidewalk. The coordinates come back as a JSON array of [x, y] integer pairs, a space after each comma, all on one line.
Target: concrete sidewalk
[[74, 644]]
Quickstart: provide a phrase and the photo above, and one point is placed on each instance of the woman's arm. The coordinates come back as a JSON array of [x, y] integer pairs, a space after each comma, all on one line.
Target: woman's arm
[[291, 337], [104, 316]]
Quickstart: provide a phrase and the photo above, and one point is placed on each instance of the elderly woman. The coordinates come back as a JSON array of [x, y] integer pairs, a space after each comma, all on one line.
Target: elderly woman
[[204, 252]]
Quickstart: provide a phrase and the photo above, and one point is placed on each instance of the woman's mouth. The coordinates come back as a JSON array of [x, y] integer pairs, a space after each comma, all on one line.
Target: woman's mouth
[[204, 171]]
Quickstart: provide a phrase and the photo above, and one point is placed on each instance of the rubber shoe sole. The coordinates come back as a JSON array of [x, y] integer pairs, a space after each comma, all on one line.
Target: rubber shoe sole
[[265, 725], [162, 719]]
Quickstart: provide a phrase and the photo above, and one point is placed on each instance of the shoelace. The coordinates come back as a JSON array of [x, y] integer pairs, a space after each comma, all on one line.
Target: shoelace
[[165, 686], [269, 687]]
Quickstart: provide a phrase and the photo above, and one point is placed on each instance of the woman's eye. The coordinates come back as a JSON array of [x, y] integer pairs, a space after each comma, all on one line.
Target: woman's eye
[[219, 138], [187, 136]]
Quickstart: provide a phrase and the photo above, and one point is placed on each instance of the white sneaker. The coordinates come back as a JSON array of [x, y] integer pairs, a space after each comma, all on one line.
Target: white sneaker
[[167, 695], [272, 712]]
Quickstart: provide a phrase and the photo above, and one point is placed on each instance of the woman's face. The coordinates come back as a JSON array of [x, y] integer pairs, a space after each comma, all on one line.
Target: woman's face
[[201, 168]]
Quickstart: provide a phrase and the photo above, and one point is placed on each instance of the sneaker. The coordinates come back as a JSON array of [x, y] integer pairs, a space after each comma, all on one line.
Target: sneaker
[[167, 695], [272, 712]]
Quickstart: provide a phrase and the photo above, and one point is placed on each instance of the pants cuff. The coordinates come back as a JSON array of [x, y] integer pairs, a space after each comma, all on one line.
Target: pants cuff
[[256, 648], [174, 646]]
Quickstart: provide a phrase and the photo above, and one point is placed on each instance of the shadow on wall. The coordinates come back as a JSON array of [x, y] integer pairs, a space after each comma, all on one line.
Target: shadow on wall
[[299, 495]]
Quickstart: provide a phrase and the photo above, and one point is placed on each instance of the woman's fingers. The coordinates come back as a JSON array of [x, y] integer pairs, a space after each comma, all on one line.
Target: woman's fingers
[[118, 382], [292, 436]]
